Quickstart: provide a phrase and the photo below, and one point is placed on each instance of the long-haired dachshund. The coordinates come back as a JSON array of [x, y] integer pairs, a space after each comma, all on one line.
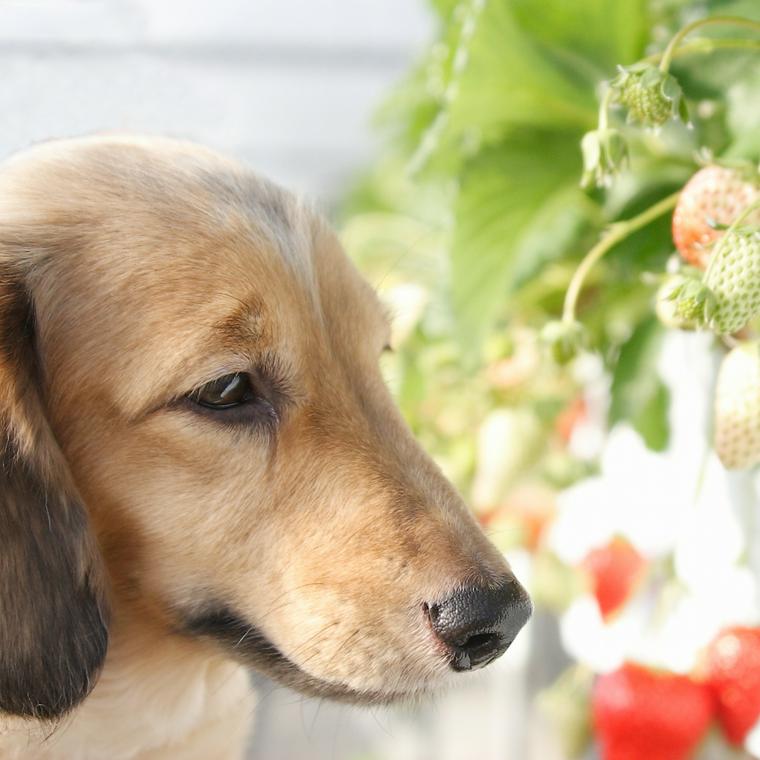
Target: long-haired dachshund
[[201, 470]]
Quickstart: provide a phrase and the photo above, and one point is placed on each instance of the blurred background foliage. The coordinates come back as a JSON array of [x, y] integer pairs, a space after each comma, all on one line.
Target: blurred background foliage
[[473, 221], [471, 225]]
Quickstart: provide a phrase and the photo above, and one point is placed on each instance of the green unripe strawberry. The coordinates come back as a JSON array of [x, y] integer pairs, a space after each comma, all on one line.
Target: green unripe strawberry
[[733, 278], [651, 96], [737, 407]]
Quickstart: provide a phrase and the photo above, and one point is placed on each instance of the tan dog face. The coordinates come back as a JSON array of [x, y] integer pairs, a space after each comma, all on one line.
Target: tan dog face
[[209, 363]]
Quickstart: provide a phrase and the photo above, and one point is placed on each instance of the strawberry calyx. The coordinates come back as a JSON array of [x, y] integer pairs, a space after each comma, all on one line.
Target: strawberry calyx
[[693, 299], [666, 305]]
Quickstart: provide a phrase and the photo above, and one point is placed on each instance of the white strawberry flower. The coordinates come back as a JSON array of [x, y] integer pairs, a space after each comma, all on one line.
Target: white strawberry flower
[[602, 646], [639, 494], [681, 504], [752, 742]]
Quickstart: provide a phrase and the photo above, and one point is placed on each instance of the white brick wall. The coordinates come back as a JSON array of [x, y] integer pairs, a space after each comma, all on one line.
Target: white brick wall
[[288, 85]]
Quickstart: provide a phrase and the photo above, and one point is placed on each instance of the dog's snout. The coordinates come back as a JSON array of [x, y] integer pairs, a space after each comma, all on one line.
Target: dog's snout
[[478, 623]]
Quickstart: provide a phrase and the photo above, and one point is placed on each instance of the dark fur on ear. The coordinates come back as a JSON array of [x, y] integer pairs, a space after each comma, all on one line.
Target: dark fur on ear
[[53, 615]]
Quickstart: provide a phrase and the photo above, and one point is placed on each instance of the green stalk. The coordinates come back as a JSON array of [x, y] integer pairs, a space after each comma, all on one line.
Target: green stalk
[[705, 46], [604, 108], [667, 56], [617, 232]]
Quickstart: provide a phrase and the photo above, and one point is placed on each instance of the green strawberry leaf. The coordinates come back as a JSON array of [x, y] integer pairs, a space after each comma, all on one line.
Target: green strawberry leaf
[[638, 394], [652, 420], [508, 81], [503, 222], [511, 68], [607, 33], [743, 115]]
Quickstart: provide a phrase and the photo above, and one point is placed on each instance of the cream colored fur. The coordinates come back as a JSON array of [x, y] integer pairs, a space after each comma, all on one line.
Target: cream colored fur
[[154, 267]]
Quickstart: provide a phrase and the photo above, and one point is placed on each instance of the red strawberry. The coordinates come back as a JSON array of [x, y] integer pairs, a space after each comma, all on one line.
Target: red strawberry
[[713, 194], [733, 674], [640, 714], [533, 507], [573, 414], [615, 571], [523, 517]]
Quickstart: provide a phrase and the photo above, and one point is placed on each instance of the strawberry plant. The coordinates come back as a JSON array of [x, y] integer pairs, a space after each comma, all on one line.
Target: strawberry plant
[[568, 212]]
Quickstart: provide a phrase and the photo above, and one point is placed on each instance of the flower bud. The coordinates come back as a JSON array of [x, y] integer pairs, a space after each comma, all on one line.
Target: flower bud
[[605, 153], [563, 339]]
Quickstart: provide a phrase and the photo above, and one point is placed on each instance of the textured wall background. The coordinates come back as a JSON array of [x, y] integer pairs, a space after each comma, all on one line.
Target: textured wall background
[[287, 85]]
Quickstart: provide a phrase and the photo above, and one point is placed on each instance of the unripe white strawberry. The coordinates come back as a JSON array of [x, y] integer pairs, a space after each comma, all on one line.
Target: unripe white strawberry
[[737, 407], [733, 279], [715, 195]]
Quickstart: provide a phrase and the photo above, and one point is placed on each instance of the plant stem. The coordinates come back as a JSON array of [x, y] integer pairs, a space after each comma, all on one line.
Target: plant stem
[[604, 108], [667, 56], [706, 45], [617, 232]]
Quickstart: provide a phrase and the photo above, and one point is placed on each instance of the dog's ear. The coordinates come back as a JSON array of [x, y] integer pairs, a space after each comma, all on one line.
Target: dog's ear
[[53, 614]]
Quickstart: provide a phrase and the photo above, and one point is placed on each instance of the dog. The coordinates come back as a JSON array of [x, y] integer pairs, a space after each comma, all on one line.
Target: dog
[[202, 471]]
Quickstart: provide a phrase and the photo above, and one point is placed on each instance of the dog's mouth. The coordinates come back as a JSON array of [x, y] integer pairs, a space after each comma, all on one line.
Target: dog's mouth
[[247, 644]]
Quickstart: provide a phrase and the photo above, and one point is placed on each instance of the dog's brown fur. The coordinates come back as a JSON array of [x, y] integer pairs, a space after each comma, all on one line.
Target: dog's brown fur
[[133, 271]]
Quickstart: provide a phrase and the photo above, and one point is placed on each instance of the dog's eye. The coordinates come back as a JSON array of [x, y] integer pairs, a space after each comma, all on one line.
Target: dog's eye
[[237, 399], [225, 392]]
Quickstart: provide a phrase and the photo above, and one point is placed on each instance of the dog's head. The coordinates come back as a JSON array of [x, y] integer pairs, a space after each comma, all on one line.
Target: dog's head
[[191, 404]]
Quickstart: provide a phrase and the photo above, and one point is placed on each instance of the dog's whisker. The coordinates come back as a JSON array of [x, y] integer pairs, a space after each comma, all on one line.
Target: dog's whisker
[[320, 702], [242, 638]]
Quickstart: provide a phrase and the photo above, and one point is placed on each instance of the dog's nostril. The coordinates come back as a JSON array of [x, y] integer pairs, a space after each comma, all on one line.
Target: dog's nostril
[[432, 611], [478, 624], [480, 640]]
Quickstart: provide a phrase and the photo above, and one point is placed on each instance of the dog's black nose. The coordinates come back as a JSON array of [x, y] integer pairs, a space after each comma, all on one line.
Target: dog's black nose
[[479, 623]]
